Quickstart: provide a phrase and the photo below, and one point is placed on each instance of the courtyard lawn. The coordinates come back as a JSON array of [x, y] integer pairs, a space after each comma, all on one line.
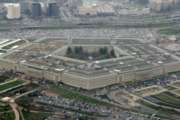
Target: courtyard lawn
[[10, 84]]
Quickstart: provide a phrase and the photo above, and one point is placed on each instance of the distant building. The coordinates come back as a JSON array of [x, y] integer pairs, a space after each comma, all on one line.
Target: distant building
[[2, 11], [53, 10], [13, 10], [36, 10], [96, 9], [87, 10], [162, 5], [105, 10], [25, 7], [177, 3]]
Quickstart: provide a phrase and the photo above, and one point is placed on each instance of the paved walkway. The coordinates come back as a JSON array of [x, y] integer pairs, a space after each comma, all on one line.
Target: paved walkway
[[15, 109], [13, 105]]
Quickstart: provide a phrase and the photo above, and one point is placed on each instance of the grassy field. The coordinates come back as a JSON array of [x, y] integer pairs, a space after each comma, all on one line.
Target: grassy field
[[168, 99], [6, 112], [7, 116], [10, 84], [4, 107], [62, 91], [14, 44], [170, 31], [164, 114], [34, 115]]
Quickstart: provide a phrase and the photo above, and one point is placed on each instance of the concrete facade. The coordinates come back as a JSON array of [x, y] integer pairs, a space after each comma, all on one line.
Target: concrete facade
[[91, 82], [46, 60]]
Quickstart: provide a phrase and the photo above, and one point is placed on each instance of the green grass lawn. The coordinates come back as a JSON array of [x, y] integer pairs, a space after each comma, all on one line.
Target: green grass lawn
[[170, 31], [4, 107], [7, 116], [6, 112], [34, 115], [14, 44], [163, 113], [10, 84], [64, 92], [168, 99]]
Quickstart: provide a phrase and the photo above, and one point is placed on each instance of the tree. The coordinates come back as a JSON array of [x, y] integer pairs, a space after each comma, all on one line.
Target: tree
[[69, 51], [103, 51], [81, 50], [78, 50], [112, 53]]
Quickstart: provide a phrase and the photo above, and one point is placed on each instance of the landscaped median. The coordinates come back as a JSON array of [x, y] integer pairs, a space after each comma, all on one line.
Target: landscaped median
[[12, 84]]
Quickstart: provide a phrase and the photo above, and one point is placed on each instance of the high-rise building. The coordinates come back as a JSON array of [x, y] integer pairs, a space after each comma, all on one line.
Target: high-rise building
[[36, 10], [161, 5], [53, 10], [13, 10], [25, 7]]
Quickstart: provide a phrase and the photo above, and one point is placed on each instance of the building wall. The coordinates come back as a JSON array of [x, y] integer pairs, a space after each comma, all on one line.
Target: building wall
[[128, 76], [91, 82], [99, 82], [36, 10], [30, 71], [148, 73], [50, 75], [161, 5], [75, 81], [13, 11]]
